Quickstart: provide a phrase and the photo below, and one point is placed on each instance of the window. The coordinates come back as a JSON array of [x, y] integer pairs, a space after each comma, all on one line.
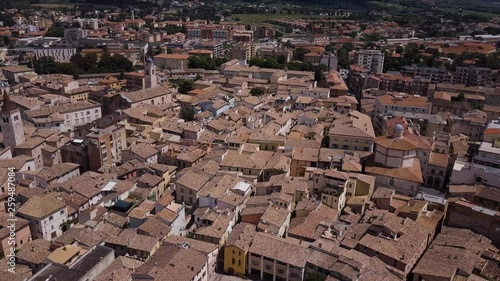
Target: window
[[62, 212], [51, 218], [391, 182], [268, 267], [232, 260]]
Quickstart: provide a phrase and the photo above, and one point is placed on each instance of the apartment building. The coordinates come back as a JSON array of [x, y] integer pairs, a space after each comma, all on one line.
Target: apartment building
[[75, 33], [66, 116], [434, 74], [46, 213], [372, 60], [216, 33], [215, 46], [269, 258], [105, 145], [243, 51], [472, 76], [398, 83], [464, 75], [87, 23]]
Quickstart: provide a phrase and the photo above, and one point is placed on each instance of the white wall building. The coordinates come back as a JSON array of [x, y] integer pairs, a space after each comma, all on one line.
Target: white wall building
[[373, 60], [46, 213], [58, 54]]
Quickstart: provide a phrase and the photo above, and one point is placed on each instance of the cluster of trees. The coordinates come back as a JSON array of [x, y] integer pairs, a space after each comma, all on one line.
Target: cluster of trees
[[82, 65], [205, 62], [187, 113], [257, 91], [343, 55], [419, 55], [280, 63], [182, 85]]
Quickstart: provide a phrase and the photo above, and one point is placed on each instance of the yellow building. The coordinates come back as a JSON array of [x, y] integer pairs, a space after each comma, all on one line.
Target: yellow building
[[78, 94], [111, 82], [236, 249], [66, 254]]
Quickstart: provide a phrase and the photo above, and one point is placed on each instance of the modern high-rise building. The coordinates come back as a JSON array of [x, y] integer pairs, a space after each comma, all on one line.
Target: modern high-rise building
[[373, 60]]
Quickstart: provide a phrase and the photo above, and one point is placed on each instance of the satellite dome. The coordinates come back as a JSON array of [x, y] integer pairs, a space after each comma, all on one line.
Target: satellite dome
[[399, 127], [398, 131]]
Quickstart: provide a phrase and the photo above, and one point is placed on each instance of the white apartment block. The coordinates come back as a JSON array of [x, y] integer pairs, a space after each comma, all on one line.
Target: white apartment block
[[82, 116], [373, 60], [88, 23], [58, 54], [75, 33], [45, 222], [65, 117]]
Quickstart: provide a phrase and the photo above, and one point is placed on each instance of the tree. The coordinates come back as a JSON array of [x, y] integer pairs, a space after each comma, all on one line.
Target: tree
[[55, 31], [114, 63], [184, 86], [205, 62], [76, 25], [187, 113], [318, 74], [343, 56], [299, 53], [44, 65], [257, 91], [85, 63]]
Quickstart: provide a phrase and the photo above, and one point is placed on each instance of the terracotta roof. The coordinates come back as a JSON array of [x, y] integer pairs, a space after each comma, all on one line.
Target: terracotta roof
[[411, 173], [241, 236], [172, 56], [43, 205], [279, 249], [438, 159], [396, 143]]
